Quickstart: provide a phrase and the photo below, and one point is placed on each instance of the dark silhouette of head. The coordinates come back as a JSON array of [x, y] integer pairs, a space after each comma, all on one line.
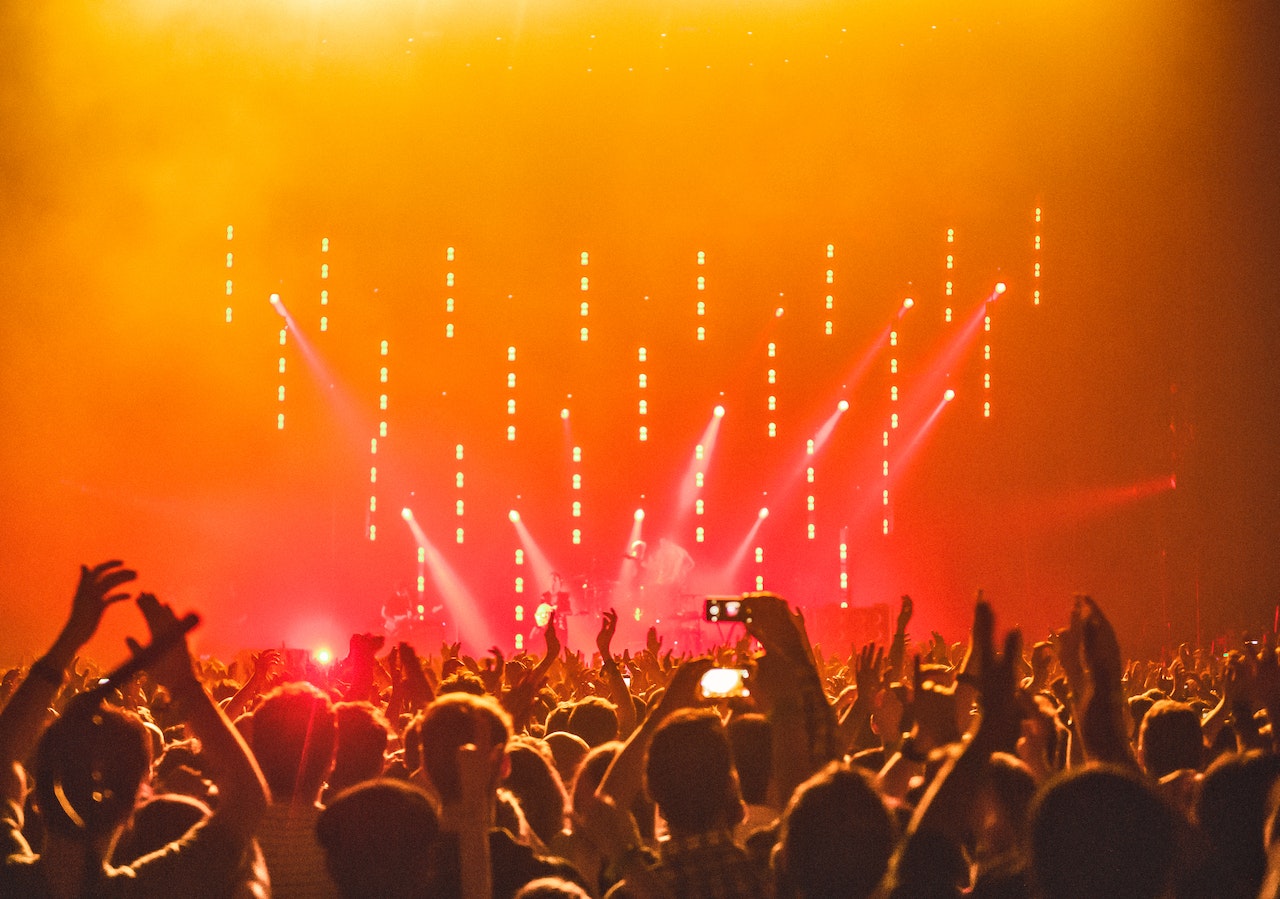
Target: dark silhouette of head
[[1170, 738], [1100, 832], [88, 767], [836, 837], [689, 773], [292, 736], [377, 838], [451, 722]]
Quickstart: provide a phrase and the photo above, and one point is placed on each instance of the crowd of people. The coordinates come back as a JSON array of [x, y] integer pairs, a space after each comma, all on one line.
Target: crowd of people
[[917, 769]]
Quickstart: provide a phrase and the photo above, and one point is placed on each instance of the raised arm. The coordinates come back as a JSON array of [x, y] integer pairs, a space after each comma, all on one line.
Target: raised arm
[[23, 718], [618, 689], [242, 792]]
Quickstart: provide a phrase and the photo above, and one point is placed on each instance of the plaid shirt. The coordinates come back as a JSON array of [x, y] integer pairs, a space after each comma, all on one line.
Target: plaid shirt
[[706, 866]]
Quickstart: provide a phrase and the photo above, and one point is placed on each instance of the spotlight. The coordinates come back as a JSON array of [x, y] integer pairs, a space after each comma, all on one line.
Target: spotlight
[[777, 313], [908, 303], [843, 405], [1000, 288], [275, 299], [949, 395], [639, 516], [763, 513], [719, 411], [564, 413], [406, 513], [322, 656], [514, 516]]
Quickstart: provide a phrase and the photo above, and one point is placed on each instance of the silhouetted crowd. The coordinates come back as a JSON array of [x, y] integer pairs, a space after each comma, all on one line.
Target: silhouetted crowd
[[918, 769]]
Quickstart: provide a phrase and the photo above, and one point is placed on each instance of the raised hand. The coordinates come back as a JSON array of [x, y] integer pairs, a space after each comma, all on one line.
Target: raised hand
[[552, 638], [93, 595], [904, 613], [604, 639], [173, 668], [653, 642]]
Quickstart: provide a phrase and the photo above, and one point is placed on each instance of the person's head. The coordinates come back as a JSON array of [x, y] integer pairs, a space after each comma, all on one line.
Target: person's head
[[551, 888], [558, 718], [836, 837], [463, 680], [595, 719], [689, 773], [591, 772], [1232, 808], [749, 738], [568, 750], [293, 736], [88, 767], [1170, 738], [377, 838], [536, 784], [451, 722], [362, 737], [1099, 832]]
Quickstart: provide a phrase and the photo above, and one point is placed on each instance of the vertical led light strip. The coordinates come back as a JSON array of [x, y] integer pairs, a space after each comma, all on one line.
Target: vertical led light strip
[[701, 308], [459, 480], [448, 300], [324, 288], [384, 350], [231, 233], [828, 325], [1035, 261]]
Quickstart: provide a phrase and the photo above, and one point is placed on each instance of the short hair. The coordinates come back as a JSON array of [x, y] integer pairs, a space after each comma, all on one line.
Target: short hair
[[88, 767], [463, 680], [293, 736], [537, 786], [551, 888], [1101, 831], [449, 723], [595, 719], [689, 772], [1170, 738], [836, 836], [377, 838], [750, 738], [591, 771], [362, 737]]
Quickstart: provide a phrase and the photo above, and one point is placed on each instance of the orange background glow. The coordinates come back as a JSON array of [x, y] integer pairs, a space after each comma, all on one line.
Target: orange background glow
[[139, 423]]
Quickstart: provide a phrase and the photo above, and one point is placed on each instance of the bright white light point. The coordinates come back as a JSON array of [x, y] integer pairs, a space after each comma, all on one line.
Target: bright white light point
[[719, 411], [564, 413], [949, 395], [1000, 288], [908, 303], [778, 312], [406, 513], [275, 299], [514, 516], [323, 656], [843, 405], [639, 515], [763, 513]]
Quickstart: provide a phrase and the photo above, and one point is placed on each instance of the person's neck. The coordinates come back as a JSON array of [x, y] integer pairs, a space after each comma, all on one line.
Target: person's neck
[[458, 816], [69, 864]]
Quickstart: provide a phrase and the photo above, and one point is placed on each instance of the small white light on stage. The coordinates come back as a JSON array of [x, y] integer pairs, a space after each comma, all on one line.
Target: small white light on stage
[[275, 299], [406, 513], [639, 516], [763, 513], [843, 405], [564, 414], [949, 395], [323, 656], [777, 313], [908, 303], [1000, 288], [718, 411], [421, 608], [513, 516]]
